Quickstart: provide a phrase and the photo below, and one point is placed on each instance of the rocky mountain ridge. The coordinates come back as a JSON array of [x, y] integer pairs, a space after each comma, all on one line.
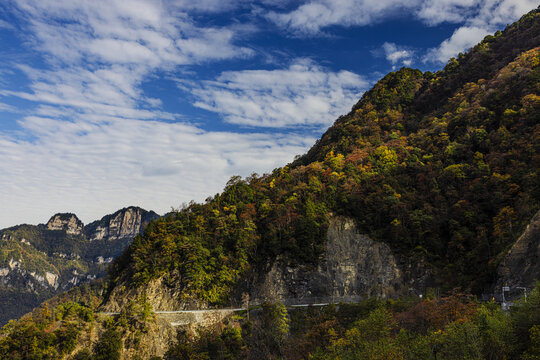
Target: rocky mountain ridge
[[37, 262], [66, 222]]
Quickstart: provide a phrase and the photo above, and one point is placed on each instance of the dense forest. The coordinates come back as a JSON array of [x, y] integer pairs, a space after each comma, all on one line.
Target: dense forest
[[442, 166], [454, 179]]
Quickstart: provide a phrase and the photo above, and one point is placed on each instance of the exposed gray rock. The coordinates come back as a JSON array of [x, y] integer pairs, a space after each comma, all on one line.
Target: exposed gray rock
[[125, 223], [70, 223], [521, 266], [354, 267]]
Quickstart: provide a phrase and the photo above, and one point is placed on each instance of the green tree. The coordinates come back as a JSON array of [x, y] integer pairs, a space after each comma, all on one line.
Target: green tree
[[525, 316], [275, 324], [109, 346]]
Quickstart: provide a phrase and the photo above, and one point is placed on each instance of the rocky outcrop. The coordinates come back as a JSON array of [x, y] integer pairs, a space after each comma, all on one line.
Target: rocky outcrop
[[108, 237], [521, 266], [125, 223], [70, 223], [354, 267], [162, 294]]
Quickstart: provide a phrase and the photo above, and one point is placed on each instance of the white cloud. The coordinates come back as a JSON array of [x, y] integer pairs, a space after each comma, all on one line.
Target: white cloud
[[101, 51], [303, 94], [397, 54], [7, 108], [5, 25], [311, 17], [480, 18], [92, 168], [434, 12], [109, 92], [501, 12], [462, 39], [146, 32]]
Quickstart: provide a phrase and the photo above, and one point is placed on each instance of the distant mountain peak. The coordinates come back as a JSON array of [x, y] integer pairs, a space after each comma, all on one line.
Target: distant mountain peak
[[66, 221], [124, 223]]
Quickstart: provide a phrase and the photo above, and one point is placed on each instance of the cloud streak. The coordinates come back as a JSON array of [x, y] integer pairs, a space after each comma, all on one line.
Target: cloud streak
[[93, 168], [397, 55], [462, 39], [312, 18], [303, 94], [480, 18]]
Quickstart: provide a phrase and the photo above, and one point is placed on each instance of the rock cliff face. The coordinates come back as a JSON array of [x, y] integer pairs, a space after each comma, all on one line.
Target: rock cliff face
[[354, 267], [37, 262], [66, 222], [125, 223], [521, 266], [108, 237]]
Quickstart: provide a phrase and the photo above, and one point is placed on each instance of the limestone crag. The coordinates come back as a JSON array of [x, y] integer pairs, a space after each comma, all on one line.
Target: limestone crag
[[521, 266], [32, 280], [354, 267], [68, 222], [125, 223]]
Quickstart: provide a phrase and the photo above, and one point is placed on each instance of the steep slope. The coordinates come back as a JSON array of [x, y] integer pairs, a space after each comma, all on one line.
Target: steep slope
[[426, 183], [38, 262], [452, 186]]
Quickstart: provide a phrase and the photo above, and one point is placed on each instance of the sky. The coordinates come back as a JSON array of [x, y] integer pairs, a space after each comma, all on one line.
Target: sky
[[154, 103]]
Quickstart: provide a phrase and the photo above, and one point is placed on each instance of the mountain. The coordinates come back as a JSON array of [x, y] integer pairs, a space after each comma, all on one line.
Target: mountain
[[447, 188], [38, 262], [422, 189]]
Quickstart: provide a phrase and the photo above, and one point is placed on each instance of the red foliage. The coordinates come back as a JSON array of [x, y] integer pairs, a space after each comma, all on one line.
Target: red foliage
[[435, 314]]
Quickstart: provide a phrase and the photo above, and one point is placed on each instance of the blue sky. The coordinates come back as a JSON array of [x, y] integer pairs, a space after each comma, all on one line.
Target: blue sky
[[106, 104]]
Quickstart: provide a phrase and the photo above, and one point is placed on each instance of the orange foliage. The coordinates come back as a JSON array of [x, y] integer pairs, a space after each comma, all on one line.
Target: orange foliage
[[435, 314]]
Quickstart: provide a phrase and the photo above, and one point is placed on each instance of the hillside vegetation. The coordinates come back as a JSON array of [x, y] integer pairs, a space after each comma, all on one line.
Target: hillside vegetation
[[455, 183], [440, 166]]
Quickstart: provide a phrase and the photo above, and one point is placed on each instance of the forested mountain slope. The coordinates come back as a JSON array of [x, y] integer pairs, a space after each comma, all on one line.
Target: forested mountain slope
[[454, 183], [437, 171]]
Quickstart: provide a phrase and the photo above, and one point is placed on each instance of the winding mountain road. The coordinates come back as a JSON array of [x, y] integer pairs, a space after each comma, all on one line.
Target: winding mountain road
[[203, 311]]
